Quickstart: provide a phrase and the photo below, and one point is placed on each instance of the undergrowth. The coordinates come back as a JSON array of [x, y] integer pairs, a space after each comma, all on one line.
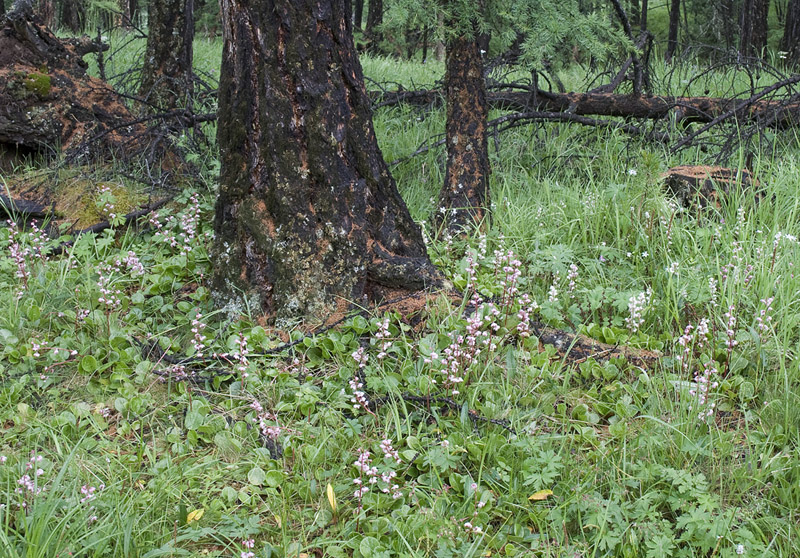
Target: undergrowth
[[138, 420]]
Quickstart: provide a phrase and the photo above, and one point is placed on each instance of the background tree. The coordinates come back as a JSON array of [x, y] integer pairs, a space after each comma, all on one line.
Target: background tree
[[72, 15], [674, 24], [374, 22], [130, 12], [465, 192], [167, 71], [790, 43], [45, 9], [753, 27], [308, 216]]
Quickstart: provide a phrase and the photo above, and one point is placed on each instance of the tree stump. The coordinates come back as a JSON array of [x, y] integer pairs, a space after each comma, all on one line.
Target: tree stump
[[700, 186]]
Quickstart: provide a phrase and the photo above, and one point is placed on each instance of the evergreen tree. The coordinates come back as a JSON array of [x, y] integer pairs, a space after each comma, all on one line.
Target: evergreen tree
[[790, 43], [166, 81], [308, 216]]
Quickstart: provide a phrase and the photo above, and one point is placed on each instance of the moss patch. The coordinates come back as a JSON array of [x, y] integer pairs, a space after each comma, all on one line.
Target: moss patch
[[38, 83], [75, 195]]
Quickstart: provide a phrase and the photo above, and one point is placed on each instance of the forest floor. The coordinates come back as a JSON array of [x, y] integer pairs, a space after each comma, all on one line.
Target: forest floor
[[136, 420]]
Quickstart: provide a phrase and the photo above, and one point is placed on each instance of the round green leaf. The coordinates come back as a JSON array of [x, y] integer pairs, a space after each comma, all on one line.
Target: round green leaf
[[88, 364], [256, 476]]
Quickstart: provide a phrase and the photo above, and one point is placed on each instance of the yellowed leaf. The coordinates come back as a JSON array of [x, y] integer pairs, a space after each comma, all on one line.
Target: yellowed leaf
[[195, 515], [278, 520], [541, 495], [331, 497]]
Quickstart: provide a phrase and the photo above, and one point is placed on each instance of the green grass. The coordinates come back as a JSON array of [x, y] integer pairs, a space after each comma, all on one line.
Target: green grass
[[632, 470]]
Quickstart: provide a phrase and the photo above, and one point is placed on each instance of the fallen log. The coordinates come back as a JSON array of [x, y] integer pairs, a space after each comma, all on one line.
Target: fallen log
[[14, 208], [685, 110], [575, 348]]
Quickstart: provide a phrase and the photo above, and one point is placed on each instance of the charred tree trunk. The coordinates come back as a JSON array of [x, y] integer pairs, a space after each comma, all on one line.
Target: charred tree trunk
[[724, 22], [674, 23], [790, 43], [753, 27], [374, 20], [167, 71], [72, 15], [465, 192], [643, 17], [308, 216], [45, 9]]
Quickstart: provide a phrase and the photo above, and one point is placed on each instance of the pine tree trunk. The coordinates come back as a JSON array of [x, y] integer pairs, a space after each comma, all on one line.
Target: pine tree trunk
[[45, 9], [753, 27], [674, 23], [643, 20], [308, 216], [790, 43], [167, 71], [374, 20], [72, 15], [465, 192]]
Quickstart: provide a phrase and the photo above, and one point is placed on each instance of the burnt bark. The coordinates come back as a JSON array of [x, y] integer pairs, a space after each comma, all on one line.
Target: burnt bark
[[167, 71], [374, 21], [45, 9], [790, 43], [308, 216], [753, 27], [674, 23], [72, 15], [465, 192]]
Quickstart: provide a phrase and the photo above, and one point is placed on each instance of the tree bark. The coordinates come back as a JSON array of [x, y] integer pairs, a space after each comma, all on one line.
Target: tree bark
[[72, 15], [790, 43], [308, 216], [374, 20], [753, 27], [167, 72], [643, 17], [465, 192], [674, 23], [45, 9]]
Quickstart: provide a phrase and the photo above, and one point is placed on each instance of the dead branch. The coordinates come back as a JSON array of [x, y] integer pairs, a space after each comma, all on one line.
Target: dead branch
[[129, 219]]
